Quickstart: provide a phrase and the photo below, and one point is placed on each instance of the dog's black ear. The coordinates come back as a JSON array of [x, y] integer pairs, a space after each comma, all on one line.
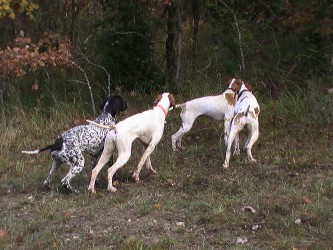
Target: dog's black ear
[[102, 105], [114, 105]]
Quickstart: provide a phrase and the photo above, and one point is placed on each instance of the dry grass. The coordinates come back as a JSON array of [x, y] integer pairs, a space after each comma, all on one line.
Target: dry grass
[[291, 187]]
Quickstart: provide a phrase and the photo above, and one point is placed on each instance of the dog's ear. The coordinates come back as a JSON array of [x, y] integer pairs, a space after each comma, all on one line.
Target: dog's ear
[[248, 86], [157, 100], [237, 84], [105, 100], [172, 101]]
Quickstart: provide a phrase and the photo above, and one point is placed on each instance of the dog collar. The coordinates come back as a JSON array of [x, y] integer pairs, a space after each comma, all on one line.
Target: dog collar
[[240, 93], [232, 89], [163, 109]]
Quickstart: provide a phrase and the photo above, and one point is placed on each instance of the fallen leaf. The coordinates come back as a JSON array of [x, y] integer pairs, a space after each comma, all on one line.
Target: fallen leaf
[[158, 206], [305, 200], [67, 214], [170, 182], [89, 237], [20, 238], [4, 234]]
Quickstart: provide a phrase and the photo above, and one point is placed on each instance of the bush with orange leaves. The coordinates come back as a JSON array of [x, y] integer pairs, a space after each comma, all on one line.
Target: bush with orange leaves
[[25, 56]]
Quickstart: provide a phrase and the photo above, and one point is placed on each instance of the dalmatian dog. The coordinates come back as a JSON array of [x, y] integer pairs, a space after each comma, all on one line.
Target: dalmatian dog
[[70, 145]]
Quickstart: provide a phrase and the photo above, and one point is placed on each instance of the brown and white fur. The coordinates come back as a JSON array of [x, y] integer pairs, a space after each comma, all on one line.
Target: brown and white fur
[[216, 107], [147, 126], [246, 113]]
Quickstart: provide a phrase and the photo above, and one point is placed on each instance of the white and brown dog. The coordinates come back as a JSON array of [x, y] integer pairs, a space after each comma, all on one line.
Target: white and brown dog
[[147, 126], [246, 113], [216, 107]]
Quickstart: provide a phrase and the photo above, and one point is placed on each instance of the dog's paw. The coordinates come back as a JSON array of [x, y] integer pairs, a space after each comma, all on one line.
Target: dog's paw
[[112, 189], [92, 191], [225, 166]]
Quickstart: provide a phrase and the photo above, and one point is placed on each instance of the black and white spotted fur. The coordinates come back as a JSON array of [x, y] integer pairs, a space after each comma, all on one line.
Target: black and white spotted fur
[[70, 145]]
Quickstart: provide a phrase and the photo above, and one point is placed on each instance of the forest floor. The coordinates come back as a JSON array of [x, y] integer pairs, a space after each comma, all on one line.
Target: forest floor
[[284, 201]]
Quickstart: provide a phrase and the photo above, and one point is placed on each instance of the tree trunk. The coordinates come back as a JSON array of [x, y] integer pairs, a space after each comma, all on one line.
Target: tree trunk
[[196, 4], [173, 46]]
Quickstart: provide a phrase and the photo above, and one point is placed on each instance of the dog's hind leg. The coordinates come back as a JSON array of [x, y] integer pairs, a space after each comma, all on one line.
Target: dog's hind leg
[[253, 137], [144, 158], [121, 161], [55, 165], [234, 130], [186, 126], [148, 161], [149, 166], [76, 163], [105, 156]]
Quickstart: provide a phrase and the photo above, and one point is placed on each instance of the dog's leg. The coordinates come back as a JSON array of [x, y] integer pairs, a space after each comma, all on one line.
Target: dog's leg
[[76, 163], [176, 139], [149, 166], [253, 137], [187, 123], [236, 145], [94, 161], [55, 165], [226, 128], [144, 157], [148, 161], [234, 130], [107, 153], [121, 161]]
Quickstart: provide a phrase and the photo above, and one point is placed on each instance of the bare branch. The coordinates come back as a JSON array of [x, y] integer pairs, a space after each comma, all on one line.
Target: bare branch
[[239, 36], [89, 86], [101, 67]]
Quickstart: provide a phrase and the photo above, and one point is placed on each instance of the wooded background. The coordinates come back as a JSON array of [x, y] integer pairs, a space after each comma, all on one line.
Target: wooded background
[[155, 45]]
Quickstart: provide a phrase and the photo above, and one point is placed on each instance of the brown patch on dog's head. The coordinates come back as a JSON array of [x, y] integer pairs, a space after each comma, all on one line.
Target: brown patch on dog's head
[[230, 97], [236, 84], [157, 100], [172, 101]]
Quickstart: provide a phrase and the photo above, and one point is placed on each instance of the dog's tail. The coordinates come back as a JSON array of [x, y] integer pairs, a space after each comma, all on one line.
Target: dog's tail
[[57, 145], [182, 105], [37, 151]]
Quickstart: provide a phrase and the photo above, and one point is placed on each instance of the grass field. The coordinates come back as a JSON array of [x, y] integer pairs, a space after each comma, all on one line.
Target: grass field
[[285, 201]]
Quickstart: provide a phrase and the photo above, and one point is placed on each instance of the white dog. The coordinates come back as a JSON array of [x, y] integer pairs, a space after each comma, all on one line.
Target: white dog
[[217, 107], [246, 112], [147, 126]]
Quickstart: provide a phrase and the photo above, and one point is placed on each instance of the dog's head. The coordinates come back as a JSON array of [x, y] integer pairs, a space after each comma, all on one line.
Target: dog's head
[[113, 105], [170, 97], [234, 84]]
